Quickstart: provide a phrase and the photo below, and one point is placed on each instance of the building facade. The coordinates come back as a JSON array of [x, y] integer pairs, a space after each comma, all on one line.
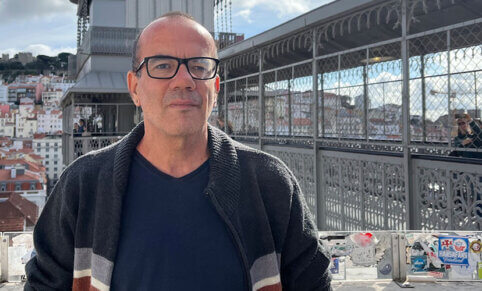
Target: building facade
[[49, 121], [50, 149], [7, 124], [3, 92], [27, 183], [25, 58]]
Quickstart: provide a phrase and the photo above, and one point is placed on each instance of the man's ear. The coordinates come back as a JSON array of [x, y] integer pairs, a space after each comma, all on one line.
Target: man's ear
[[132, 86]]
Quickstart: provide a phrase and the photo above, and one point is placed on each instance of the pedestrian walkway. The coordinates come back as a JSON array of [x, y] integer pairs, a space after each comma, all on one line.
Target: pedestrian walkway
[[390, 285], [354, 285]]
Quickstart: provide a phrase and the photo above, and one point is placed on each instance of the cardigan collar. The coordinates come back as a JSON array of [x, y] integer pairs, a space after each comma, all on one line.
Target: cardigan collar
[[224, 172]]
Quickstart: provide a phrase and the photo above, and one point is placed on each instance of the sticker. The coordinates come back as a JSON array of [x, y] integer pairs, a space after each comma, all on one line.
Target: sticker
[[385, 264], [340, 250], [385, 269], [335, 266], [363, 249], [479, 269], [364, 256], [467, 271], [475, 246], [454, 250], [419, 263], [437, 275], [432, 257]]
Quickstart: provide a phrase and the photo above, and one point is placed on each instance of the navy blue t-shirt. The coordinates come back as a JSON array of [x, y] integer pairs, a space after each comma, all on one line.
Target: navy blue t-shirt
[[171, 236]]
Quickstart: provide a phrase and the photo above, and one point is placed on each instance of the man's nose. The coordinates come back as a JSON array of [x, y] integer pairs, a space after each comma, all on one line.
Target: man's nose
[[183, 80]]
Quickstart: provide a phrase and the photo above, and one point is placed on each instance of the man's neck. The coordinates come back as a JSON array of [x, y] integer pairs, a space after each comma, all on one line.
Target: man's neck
[[176, 156]]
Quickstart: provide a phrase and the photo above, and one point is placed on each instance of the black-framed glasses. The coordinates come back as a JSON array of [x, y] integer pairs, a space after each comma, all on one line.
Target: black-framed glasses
[[166, 67]]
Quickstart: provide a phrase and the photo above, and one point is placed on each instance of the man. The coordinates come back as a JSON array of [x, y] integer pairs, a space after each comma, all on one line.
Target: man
[[177, 204]]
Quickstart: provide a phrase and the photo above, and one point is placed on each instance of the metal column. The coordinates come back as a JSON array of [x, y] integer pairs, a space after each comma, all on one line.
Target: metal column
[[406, 121], [365, 94], [260, 101], [4, 258]]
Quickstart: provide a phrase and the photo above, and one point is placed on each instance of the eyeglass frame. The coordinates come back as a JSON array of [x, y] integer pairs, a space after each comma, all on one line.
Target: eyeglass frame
[[180, 61]]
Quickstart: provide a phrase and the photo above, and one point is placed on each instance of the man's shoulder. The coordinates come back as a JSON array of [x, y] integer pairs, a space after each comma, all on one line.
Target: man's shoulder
[[263, 163]]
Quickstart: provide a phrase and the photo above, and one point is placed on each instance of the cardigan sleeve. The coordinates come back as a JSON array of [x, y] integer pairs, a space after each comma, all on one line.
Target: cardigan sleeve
[[304, 261], [52, 267]]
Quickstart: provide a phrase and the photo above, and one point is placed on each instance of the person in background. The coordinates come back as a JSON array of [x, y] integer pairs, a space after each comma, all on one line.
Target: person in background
[[469, 135], [81, 128]]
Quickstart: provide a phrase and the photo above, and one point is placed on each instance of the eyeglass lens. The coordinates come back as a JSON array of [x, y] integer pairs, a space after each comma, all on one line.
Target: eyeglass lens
[[199, 68]]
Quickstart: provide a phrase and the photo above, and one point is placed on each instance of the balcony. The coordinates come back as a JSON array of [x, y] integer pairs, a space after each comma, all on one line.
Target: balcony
[[103, 124]]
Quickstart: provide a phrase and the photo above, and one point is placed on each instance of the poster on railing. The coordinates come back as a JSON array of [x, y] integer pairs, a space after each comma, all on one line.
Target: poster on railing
[[454, 250], [363, 248]]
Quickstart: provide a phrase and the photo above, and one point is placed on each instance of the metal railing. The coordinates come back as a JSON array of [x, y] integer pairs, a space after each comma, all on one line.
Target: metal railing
[[371, 131], [378, 255], [85, 144]]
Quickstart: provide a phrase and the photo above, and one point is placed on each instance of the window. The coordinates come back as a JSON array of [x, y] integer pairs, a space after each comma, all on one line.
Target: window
[[55, 162], [47, 156], [46, 162], [55, 176], [56, 144], [55, 169], [32, 186], [3, 187], [17, 187]]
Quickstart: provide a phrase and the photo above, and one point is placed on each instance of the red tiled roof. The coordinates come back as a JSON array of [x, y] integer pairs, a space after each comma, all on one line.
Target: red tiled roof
[[34, 167], [10, 224], [15, 211], [22, 151], [5, 175], [36, 157], [39, 135]]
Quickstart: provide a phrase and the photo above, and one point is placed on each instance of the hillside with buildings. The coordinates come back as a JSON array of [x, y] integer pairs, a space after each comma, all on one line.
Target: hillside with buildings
[[24, 63], [30, 146]]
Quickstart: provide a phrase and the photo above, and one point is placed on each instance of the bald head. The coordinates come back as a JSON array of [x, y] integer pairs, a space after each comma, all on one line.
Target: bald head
[[171, 24]]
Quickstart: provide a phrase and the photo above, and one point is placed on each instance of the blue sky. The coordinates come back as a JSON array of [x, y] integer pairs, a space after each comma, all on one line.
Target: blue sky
[[49, 26]]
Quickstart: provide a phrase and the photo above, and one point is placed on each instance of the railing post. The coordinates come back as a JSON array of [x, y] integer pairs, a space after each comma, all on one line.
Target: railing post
[[71, 146], [399, 271], [406, 120], [260, 101], [317, 170], [395, 258], [365, 94], [424, 98], [4, 258]]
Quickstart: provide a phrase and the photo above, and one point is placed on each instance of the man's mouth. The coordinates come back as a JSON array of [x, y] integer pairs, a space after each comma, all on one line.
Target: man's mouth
[[183, 104]]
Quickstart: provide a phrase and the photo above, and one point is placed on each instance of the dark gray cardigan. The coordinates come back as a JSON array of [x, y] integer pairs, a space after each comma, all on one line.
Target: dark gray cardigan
[[255, 194]]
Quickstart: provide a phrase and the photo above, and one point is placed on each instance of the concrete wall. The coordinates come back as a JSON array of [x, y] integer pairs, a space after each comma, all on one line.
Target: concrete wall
[[110, 13]]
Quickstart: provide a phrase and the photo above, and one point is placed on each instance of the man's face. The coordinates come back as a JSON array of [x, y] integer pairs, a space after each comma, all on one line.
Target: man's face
[[179, 106], [462, 123]]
